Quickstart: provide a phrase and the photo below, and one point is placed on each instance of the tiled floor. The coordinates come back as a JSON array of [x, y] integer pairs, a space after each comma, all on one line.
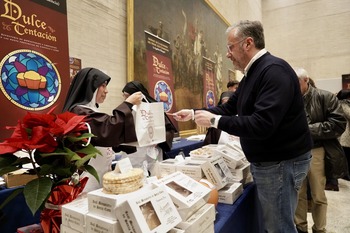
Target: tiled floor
[[338, 214]]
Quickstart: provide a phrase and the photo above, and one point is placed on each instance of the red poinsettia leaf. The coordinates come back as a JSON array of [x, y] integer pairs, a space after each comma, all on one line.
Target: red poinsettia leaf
[[66, 116], [42, 138], [8, 148], [34, 119], [19, 131], [75, 124]]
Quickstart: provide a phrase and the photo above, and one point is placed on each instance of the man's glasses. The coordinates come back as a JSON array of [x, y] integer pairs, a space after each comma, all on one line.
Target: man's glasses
[[230, 46]]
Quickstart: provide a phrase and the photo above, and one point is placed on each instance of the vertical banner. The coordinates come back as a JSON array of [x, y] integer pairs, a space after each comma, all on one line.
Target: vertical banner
[[209, 99], [159, 72], [345, 81], [34, 60]]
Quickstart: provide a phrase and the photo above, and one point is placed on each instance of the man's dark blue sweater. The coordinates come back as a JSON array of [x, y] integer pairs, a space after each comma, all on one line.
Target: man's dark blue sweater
[[271, 121]]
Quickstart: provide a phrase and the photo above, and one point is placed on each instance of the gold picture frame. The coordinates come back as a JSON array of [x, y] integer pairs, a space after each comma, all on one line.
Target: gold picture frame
[[179, 20]]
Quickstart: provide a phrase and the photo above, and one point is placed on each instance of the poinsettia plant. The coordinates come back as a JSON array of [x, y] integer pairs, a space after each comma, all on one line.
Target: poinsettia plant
[[57, 148]]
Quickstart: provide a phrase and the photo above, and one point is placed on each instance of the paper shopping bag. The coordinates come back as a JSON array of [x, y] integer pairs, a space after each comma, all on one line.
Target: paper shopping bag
[[149, 124]]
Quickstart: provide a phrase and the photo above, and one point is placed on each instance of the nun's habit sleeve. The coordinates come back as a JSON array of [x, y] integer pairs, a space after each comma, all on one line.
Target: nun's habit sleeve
[[110, 130]]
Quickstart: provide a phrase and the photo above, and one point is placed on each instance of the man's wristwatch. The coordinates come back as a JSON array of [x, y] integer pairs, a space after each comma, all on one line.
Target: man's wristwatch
[[212, 121]]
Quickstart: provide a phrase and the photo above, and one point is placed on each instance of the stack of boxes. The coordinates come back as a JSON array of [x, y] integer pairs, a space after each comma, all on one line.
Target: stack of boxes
[[175, 203], [225, 166], [190, 198], [145, 210]]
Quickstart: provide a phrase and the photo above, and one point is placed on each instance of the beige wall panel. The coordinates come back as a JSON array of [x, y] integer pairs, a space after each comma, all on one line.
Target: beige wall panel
[[97, 35], [311, 34]]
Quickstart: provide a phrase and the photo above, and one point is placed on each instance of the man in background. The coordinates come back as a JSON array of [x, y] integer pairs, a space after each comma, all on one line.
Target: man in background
[[326, 124], [232, 85]]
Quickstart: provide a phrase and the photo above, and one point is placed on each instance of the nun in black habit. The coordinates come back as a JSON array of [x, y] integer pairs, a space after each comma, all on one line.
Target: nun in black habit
[[87, 90], [147, 156]]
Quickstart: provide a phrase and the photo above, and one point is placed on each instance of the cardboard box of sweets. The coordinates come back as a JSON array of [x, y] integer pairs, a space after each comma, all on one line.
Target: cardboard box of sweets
[[187, 194], [167, 167], [96, 223], [73, 214], [18, 178], [192, 168], [210, 229], [203, 152], [105, 205], [241, 172], [65, 229], [149, 212], [200, 220], [230, 193], [217, 172], [232, 157], [175, 230]]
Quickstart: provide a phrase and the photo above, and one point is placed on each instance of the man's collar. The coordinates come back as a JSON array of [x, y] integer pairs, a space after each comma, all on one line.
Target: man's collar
[[256, 57]]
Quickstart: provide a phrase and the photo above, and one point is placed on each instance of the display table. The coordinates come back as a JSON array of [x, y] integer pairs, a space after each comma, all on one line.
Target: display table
[[16, 213], [241, 217], [244, 216], [185, 145]]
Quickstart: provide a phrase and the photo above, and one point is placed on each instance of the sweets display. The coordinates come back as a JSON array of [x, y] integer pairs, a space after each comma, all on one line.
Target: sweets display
[[119, 183]]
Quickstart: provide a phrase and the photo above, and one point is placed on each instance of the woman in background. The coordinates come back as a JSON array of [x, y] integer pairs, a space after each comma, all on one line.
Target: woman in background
[[87, 90]]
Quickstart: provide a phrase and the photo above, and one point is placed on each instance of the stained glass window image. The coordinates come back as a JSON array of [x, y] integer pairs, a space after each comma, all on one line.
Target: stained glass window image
[[29, 80]]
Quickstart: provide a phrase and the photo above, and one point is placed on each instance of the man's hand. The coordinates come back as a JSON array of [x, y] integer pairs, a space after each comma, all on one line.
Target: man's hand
[[202, 118], [183, 115]]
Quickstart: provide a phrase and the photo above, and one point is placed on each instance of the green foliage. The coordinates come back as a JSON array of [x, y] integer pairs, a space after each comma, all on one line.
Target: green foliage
[[56, 148]]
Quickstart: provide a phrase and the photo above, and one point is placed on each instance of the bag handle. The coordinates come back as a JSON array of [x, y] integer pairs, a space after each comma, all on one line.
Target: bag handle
[[144, 97]]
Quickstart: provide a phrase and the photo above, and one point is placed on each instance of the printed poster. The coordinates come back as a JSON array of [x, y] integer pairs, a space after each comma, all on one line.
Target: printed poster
[[209, 93], [159, 72], [34, 58]]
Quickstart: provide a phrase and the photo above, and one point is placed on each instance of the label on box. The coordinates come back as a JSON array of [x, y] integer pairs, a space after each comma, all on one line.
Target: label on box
[[103, 204], [97, 224], [73, 214]]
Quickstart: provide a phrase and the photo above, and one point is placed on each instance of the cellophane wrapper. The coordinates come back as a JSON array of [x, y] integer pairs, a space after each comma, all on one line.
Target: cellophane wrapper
[[51, 215]]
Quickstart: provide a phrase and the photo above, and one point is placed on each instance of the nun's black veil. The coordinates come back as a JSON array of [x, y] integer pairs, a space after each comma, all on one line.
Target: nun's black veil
[[83, 87], [135, 86]]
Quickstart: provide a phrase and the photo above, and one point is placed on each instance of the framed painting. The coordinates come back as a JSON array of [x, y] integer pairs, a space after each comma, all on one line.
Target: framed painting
[[182, 42]]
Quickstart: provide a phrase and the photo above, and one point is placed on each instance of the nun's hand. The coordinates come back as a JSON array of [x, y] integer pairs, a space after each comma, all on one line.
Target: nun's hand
[[135, 99]]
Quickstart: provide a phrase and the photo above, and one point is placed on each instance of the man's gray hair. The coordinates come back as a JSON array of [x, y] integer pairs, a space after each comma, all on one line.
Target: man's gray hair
[[247, 28]]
